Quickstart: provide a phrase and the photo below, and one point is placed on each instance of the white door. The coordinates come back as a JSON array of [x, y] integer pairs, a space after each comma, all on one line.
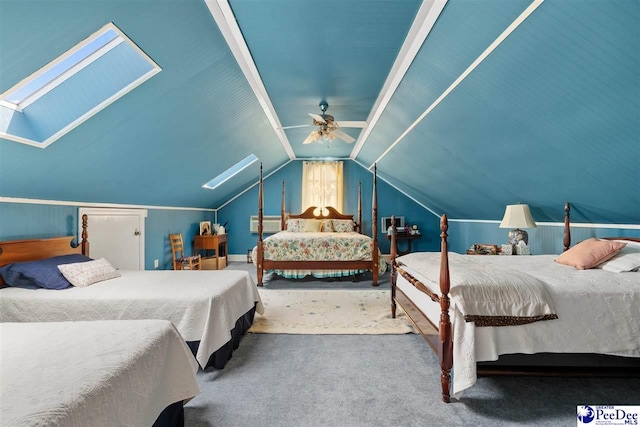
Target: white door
[[116, 235]]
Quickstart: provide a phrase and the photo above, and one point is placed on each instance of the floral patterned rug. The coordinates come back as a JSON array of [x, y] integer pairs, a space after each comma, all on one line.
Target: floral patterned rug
[[333, 311]]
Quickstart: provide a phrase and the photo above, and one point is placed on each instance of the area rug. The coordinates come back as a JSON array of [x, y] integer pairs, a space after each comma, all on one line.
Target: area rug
[[333, 311]]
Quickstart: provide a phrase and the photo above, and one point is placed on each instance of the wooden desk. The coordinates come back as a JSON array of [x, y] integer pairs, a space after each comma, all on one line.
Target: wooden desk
[[406, 237], [214, 249]]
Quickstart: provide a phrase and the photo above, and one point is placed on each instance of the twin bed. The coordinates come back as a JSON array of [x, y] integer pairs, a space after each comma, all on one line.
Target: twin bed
[[587, 317], [321, 242], [207, 310]]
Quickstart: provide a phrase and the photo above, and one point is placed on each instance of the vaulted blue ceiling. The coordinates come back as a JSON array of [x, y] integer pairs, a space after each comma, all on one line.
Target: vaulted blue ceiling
[[470, 105]]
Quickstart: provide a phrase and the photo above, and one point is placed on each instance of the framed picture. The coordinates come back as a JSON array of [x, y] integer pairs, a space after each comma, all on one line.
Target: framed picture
[[205, 228], [386, 222]]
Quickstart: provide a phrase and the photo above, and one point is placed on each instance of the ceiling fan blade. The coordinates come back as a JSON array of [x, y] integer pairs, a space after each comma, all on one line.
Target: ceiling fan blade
[[317, 118], [343, 136], [352, 124], [312, 137], [296, 126]]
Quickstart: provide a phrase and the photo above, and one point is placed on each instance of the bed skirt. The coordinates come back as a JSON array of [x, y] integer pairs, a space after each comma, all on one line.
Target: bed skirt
[[172, 416], [221, 356]]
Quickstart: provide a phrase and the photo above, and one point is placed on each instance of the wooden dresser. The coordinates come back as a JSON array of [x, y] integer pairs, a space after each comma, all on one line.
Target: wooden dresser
[[213, 249]]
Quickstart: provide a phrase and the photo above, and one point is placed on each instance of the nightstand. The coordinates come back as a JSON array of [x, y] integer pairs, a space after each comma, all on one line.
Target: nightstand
[[408, 237]]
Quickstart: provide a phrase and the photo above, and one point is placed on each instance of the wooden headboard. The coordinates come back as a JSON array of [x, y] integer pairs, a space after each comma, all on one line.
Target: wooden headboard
[[329, 213], [35, 249]]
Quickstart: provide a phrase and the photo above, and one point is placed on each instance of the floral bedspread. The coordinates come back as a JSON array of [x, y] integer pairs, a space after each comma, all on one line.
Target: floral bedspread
[[288, 246]]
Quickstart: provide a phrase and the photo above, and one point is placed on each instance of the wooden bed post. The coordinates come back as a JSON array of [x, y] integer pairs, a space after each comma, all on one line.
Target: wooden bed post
[[85, 236], [260, 251], [359, 229], [394, 271], [567, 232], [446, 338], [283, 221], [374, 228]]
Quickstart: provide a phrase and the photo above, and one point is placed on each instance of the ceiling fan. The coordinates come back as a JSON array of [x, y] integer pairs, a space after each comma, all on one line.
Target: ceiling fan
[[328, 129]]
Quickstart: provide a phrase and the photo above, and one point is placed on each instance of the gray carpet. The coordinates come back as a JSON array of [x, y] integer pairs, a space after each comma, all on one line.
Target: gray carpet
[[377, 380]]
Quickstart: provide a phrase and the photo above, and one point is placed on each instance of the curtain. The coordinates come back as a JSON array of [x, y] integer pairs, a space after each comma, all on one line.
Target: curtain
[[322, 184]]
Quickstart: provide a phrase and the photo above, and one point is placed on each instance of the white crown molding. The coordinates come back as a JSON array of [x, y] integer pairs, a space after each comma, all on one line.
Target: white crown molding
[[557, 224], [97, 205]]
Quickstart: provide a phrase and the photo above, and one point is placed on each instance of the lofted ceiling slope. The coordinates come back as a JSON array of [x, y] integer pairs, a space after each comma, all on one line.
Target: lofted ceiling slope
[[504, 101]]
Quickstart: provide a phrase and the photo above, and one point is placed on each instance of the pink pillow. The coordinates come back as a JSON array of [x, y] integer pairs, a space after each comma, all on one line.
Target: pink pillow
[[589, 253]]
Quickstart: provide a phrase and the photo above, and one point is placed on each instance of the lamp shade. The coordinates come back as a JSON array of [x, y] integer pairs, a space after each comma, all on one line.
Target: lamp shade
[[517, 216]]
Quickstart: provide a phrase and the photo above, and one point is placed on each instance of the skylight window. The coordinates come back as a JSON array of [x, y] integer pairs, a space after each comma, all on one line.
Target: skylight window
[[231, 172], [73, 87]]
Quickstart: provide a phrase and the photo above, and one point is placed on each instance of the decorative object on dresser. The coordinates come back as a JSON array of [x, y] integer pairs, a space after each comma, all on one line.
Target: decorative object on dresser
[[205, 228], [507, 249]]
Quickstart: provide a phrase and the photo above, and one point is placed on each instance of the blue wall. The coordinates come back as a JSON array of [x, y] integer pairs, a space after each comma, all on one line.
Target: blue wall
[[544, 239], [390, 202], [25, 221]]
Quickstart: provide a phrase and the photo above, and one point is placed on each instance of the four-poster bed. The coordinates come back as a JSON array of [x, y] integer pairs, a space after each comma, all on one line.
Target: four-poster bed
[[340, 250], [590, 319]]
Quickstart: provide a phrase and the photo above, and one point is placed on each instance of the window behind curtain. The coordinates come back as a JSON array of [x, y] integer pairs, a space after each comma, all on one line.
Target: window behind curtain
[[322, 184]]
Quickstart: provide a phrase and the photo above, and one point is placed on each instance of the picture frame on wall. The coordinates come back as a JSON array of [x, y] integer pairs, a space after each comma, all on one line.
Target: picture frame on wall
[[205, 228]]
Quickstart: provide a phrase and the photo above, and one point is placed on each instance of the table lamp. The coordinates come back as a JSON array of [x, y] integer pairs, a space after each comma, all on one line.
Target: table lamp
[[516, 217]]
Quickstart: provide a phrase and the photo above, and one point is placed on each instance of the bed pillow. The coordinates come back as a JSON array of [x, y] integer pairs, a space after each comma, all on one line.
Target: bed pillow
[[342, 225], [83, 274], [295, 225], [628, 259], [312, 226], [589, 253], [327, 226], [43, 273]]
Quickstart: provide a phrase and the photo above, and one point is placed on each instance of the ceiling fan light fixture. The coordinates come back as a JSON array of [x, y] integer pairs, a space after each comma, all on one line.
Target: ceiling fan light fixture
[[327, 128]]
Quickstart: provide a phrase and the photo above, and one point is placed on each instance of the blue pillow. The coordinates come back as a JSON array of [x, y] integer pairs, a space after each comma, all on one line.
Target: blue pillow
[[43, 273]]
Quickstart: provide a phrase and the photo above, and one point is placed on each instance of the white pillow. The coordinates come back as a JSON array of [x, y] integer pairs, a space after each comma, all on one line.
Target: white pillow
[[628, 259], [81, 274]]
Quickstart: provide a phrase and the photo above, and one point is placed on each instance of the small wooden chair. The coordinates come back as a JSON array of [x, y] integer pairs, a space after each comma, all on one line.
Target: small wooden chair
[[180, 261]]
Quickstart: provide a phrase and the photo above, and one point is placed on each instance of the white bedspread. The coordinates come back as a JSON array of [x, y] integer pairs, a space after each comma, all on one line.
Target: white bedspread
[[104, 373], [203, 305], [599, 312], [485, 292]]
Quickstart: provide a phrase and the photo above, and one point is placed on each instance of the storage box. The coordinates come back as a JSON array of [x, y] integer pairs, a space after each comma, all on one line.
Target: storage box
[[209, 263]]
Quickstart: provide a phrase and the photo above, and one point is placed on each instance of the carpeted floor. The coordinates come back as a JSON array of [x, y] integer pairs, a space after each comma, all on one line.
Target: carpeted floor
[[376, 380], [285, 380]]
